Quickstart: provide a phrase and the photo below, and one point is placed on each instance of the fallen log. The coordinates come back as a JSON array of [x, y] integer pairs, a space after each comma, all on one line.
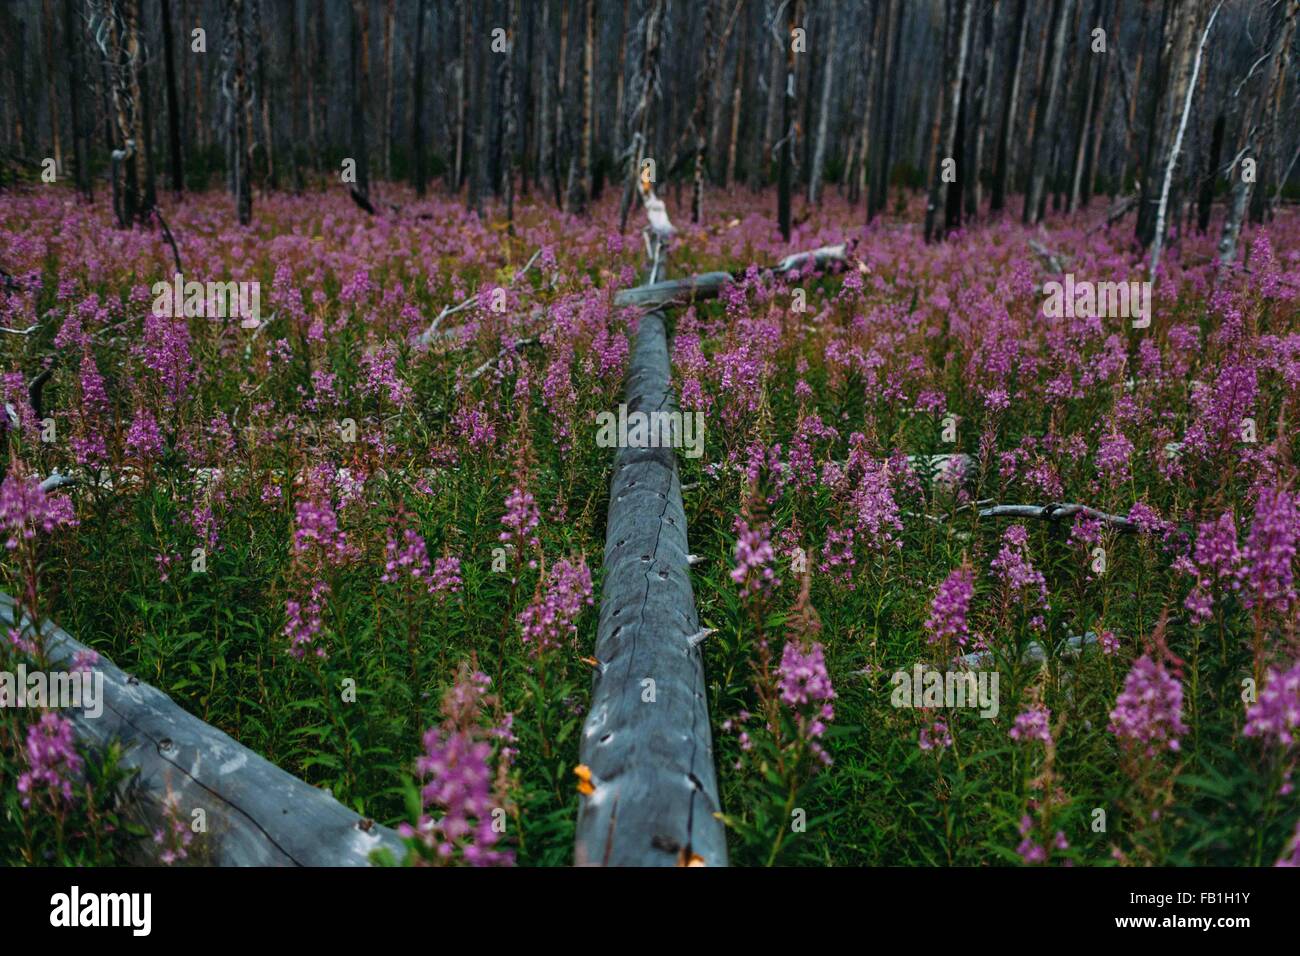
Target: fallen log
[[255, 813], [1057, 512], [708, 285], [646, 740]]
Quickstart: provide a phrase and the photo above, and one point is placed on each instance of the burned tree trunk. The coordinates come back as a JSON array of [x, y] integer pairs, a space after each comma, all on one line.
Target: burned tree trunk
[[789, 127], [239, 107], [74, 36], [1244, 182], [580, 169], [1086, 131], [417, 98], [1270, 138], [175, 171], [956, 41], [1010, 105], [639, 118], [1045, 118], [509, 109], [882, 162], [359, 91], [980, 113], [823, 109], [115, 28], [1205, 199], [1188, 85]]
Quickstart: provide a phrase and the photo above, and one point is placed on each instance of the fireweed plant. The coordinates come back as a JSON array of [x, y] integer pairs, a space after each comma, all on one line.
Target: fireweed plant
[[372, 554]]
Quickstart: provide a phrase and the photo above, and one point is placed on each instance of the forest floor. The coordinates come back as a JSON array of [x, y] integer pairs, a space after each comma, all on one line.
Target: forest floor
[[313, 533]]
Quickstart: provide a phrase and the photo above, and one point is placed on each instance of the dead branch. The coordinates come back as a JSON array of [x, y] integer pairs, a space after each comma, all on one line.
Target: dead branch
[[1057, 512]]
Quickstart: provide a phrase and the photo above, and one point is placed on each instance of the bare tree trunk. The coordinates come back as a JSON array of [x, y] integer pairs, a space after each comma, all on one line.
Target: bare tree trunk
[[417, 98], [1010, 106], [560, 132], [296, 104], [984, 97], [75, 38], [1270, 140], [1046, 117], [1100, 120], [1085, 120], [882, 165], [360, 92], [1205, 200], [462, 93], [526, 99], [508, 107], [698, 123], [639, 119], [390, 13], [48, 28], [794, 16], [1189, 85], [956, 42], [775, 92], [824, 109], [742, 57], [580, 168], [545, 135], [1241, 190], [1178, 36]]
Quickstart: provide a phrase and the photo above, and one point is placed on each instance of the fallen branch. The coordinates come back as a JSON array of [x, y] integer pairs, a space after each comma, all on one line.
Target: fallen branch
[[361, 200], [1057, 512], [429, 334], [167, 234], [490, 363], [708, 285], [1118, 210], [1053, 260]]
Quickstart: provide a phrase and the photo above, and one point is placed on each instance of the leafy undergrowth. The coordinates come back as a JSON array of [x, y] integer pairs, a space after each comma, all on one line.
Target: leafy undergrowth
[[373, 560]]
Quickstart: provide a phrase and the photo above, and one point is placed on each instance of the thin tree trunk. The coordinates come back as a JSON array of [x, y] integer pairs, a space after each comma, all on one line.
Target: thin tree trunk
[[1046, 117], [508, 108], [1190, 85], [1205, 200], [956, 42], [390, 14], [74, 37], [417, 98], [1010, 105], [824, 109], [974, 187], [794, 17], [882, 167], [580, 169], [48, 28]]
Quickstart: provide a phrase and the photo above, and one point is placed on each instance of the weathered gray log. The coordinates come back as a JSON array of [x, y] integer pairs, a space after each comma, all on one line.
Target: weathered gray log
[[708, 285], [648, 745], [256, 814], [1057, 512]]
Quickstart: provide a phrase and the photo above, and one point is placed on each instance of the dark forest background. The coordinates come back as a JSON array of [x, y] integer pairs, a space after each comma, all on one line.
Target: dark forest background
[[1050, 101]]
